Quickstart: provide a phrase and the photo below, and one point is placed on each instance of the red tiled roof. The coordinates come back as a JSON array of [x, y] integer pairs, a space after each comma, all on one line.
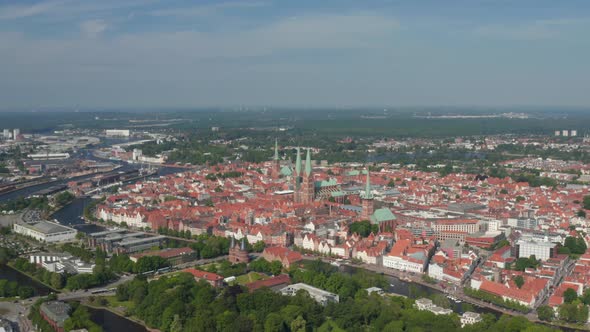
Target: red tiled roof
[[271, 282], [204, 275]]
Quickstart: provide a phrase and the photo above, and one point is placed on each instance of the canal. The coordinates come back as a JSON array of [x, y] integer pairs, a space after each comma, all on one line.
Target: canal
[[409, 289], [111, 322], [10, 274], [71, 214]]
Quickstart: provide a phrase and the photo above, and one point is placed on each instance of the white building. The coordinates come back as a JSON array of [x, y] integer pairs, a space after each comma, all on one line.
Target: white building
[[426, 304], [137, 153], [15, 133], [565, 133], [469, 318], [573, 133], [403, 264], [45, 231], [118, 132], [319, 295], [131, 218], [541, 250], [49, 156], [435, 271], [61, 263], [6, 133]]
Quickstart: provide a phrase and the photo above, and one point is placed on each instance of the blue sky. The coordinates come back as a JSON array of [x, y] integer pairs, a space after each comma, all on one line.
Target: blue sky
[[167, 53]]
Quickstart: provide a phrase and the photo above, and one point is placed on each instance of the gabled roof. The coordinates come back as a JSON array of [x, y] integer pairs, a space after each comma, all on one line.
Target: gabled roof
[[209, 276]]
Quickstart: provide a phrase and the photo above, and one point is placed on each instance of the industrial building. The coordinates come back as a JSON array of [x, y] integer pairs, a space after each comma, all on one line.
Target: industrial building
[[49, 156], [123, 241], [117, 132], [174, 256], [45, 231]]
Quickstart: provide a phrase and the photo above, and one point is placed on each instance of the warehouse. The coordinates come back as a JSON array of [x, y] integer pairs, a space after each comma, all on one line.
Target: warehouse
[[45, 231]]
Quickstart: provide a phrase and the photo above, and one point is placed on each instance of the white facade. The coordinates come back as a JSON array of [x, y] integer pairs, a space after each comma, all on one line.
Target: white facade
[[49, 156], [541, 250], [324, 248], [137, 153], [399, 263], [319, 295], [118, 132], [134, 220], [308, 243], [459, 226], [340, 251], [469, 318], [435, 271], [45, 231]]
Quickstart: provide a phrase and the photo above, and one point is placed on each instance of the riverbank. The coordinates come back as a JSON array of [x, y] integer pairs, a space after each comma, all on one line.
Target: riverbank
[[32, 277], [119, 314], [417, 279]]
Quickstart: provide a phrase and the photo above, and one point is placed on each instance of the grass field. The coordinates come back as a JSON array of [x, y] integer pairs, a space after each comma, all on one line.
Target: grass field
[[250, 277], [115, 304]]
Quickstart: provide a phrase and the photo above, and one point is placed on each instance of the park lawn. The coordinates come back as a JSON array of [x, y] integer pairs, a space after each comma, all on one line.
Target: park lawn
[[114, 303], [250, 277]]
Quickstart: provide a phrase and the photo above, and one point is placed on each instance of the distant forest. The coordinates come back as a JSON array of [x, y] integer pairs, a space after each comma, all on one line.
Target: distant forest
[[325, 122]]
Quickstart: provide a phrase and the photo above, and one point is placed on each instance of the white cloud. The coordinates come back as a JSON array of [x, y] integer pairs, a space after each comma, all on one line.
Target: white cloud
[[93, 28], [67, 9], [22, 11]]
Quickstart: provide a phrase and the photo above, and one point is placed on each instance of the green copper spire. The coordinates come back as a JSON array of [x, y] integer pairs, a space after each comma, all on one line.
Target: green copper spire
[[276, 149], [308, 163], [298, 163], [368, 194]]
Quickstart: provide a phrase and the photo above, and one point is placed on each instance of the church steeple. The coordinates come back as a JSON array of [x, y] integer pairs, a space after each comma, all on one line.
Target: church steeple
[[367, 199], [276, 167], [298, 163], [367, 194], [308, 163]]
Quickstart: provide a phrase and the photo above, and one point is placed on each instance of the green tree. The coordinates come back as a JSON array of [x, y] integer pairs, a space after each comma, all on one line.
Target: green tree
[[569, 295], [586, 202], [176, 325], [545, 313], [56, 281], [274, 323], [276, 267], [581, 213], [519, 281], [298, 325], [258, 246]]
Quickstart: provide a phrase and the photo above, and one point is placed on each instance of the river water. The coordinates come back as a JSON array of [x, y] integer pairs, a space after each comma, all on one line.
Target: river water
[[111, 322], [10, 274], [401, 287]]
